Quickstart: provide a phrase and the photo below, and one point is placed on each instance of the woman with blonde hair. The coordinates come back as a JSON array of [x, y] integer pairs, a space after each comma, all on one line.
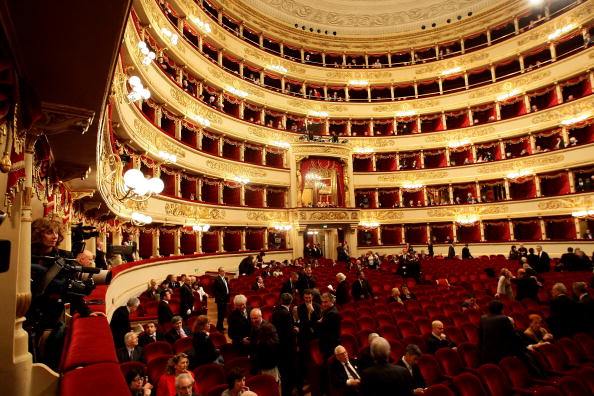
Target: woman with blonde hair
[[176, 365], [504, 285]]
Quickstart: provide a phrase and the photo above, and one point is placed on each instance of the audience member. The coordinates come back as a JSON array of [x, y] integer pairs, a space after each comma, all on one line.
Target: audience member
[[204, 349], [131, 352], [395, 296], [384, 377], [150, 334], [438, 339], [526, 286], [563, 315], [290, 285], [568, 261], [409, 362], [306, 280], [544, 262], [222, 295], [186, 302], [504, 286], [286, 328], [177, 330], [585, 307], [184, 385], [406, 293], [265, 350], [328, 327], [535, 332], [497, 337], [239, 324], [235, 383], [365, 359], [136, 383], [343, 373], [176, 365], [259, 284], [120, 321], [466, 252], [342, 290], [361, 290]]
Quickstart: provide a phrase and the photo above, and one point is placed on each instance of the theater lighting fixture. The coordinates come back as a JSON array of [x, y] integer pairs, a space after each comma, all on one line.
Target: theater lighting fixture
[[312, 233], [517, 174], [237, 92], [201, 227], [138, 188], [170, 158], [451, 71], [467, 220], [200, 120], [583, 213], [412, 186], [318, 113], [140, 219], [281, 144], [561, 31], [172, 37], [148, 55], [242, 180], [459, 143], [575, 120], [139, 92], [203, 26], [536, 2], [508, 95], [277, 68], [313, 176], [370, 224], [282, 227], [359, 83], [406, 113], [363, 150]]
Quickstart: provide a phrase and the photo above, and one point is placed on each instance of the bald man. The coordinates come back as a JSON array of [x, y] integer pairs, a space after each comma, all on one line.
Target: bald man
[[85, 259]]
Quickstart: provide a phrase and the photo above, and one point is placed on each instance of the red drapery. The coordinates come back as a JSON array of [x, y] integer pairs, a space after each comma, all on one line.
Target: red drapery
[[441, 232], [469, 232], [210, 241], [145, 244], [188, 242], [560, 228], [496, 230], [313, 164], [231, 240], [391, 235], [527, 229], [416, 234], [254, 239], [166, 238]]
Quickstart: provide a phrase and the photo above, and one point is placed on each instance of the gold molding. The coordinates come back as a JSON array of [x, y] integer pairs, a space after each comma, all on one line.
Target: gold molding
[[382, 214], [406, 176], [522, 163], [570, 110], [455, 212], [264, 216], [443, 136], [193, 212], [234, 170], [568, 203]]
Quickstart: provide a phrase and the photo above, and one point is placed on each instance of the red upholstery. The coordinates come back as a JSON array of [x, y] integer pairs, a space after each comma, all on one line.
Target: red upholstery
[[469, 385], [449, 361], [518, 374], [389, 331], [156, 349], [229, 351], [438, 390], [548, 391], [571, 386], [182, 345], [242, 362], [218, 339], [586, 375], [156, 368], [469, 354], [94, 380], [470, 332], [407, 328], [263, 385], [495, 380], [430, 369], [587, 344], [417, 340], [350, 343], [208, 376], [573, 351], [555, 359], [90, 342], [455, 335], [128, 366], [216, 390]]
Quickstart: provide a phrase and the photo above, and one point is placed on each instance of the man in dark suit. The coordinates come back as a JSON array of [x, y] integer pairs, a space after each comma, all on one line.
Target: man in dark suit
[[239, 324], [131, 352], [569, 261], [177, 330], [308, 313], [544, 262], [164, 312], [451, 251], [282, 319], [134, 253], [438, 339], [290, 285], [365, 360], [409, 362], [151, 334], [306, 280], [342, 254], [466, 252], [361, 290], [120, 321], [100, 261], [526, 286], [186, 301], [344, 375], [585, 307], [383, 377], [222, 294], [497, 337], [328, 327], [342, 290], [563, 317]]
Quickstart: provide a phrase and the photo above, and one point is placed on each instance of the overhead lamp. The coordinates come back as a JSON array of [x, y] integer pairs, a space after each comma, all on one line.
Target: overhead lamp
[[316, 113], [236, 91], [148, 55], [138, 188], [242, 180], [508, 95], [359, 83], [459, 143], [201, 227], [561, 31], [172, 37], [467, 220], [313, 176], [139, 92], [517, 174], [283, 227], [406, 113], [277, 68], [200, 120], [371, 224], [281, 144], [451, 71], [575, 120], [363, 150], [536, 2], [171, 158], [140, 219], [412, 186], [203, 26], [312, 233]]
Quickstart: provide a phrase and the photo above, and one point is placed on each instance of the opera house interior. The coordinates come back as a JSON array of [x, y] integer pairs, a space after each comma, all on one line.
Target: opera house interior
[[227, 146]]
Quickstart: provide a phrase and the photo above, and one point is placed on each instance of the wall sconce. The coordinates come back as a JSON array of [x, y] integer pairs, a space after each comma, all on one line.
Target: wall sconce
[[412, 186], [281, 144], [459, 143], [282, 227], [172, 37], [313, 176], [242, 180], [451, 71], [139, 219], [138, 188], [363, 150], [168, 158], [201, 227], [575, 120], [139, 92], [560, 31], [203, 26], [200, 120], [371, 224], [312, 233], [359, 83], [148, 55], [316, 113], [237, 92], [508, 95], [520, 173], [277, 68], [406, 113], [467, 220]]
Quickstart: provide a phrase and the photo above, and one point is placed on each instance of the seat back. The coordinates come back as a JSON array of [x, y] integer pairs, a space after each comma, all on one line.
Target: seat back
[[469, 354], [494, 379], [430, 369], [156, 368], [182, 345], [407, 328], [572, 350], [350, 343], [449, 361], [216, 390], [470, 332], [573, 386], [263, 385], [469, 385], [438, 390], [516, 372], [208, 376], [586, 375], [156, 349], [242, 362], [547, 391], [553, 356], [218, 339], [455, 334], [587, 344]]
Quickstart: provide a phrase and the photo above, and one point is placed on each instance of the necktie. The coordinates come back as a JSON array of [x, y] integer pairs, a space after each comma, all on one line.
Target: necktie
[[154, 337], [351, 370], [131, 354]]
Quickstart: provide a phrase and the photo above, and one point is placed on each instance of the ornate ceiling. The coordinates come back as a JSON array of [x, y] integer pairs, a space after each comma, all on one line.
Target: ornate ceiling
[[368, 17]]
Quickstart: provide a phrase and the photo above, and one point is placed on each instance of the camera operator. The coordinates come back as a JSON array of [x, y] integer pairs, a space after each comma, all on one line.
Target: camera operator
[[48, 282]]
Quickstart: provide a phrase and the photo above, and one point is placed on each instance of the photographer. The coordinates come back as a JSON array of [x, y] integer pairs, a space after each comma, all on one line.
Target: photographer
[[50, 283]]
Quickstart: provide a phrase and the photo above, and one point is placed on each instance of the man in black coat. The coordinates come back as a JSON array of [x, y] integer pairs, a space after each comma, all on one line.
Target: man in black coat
[[131, 352], [409, 362], [282, 319], [361, 290], [186, 301], [526, 286], [365, 360], [306, 281], [342, 290], [151, 334], [328, 327], [543, 262], [177, 330], [120, 321], [466, 252], [569, 261], [100, 261], [585, 306], [497, 337], [344, 375], [239, 324], [290, 285], [563, 318], [308, 312], [451, 251], [164, 312], [383, 377], [438, 339], [222, 294]]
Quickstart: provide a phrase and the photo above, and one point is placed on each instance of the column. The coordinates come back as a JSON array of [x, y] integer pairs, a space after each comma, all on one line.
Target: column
[[155, 252], [447, 154], [199, 139], [443, 121], [565, 136], [543, 229], [400, 200], [493, 78], [379, 236], [451, 193], [348, 127], [553, 52], [220, 146], [220, 57], [177, 185], [403, 234], [242, 110], [521, 60], [242, 239], [221, 248], [570, 180], [264, 155], [512, 236], [266, 240], [264, 199], [482, 229], [497, 111], [502, 148], [506, 187], [376, 196], [455, 232], [428, 232], [559, 92], [178, 128], [473, 149], [532, 141], [425, 196], [373, 164], [198, 242], [242, 152], [220, 192], [242, 195], [537, 185], [199, 190], [477, 188], [422, 160], [578, 227], [371, 131], [177, 242], [440, 83]]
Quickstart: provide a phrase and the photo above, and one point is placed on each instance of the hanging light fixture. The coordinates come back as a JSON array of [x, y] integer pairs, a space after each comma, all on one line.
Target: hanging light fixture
[[139, 92], [138, 188]]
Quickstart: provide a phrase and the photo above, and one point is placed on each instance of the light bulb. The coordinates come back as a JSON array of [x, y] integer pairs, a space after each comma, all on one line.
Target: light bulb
[[132, 178], [142, 188], [205, 227], [141, 44], [134, 81], [156, 185], [145, 93]]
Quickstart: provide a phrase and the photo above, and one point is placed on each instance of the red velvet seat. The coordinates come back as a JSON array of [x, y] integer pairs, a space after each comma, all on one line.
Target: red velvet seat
[[469, 385], [182, 345], [129, 366], [95, 380], [255, 301], [424, 325], [458, 318], [455, 334], [574, 352], [586, 342], [438, 390], [430, 369], [350, 343], [495, 380], [156, 368], [407, 328], [389, 331], [417, 340], [518, 374], [571, 386], [548, 391], [470, 332], [263, 385], [469, 354], [586, 375], [555, 360], [366, 323], [216, 390], [218, 339], [90, 342], [208, 376], [450, 361], [156, 349], [242, 362]]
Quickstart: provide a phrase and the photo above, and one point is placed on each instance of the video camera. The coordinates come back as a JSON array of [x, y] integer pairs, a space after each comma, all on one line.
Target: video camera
[[80, 234]]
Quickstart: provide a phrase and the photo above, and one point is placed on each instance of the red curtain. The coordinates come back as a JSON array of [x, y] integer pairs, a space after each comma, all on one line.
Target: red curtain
[[527, 230], [560, 228], [391, 235], [254, 196], [145, 244], [166, 243], [522, 188], [469, 233], [416, 234], [231, 240], [188, 188], [414, 196], [231, 194], [188, 243], [366, 237], [388, 199], [441, 232], [313, 163], [275, 198], [210, 241], [254, 239], [496, 230]]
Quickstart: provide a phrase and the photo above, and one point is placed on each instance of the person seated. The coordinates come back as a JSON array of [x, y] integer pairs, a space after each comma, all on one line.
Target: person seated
[[409, 362], [177, 331], [537, 334], [236, 383], [137, 384], [438, 339], [343, 373], [131, 352], [176, 365], [150, 334], [470, 198], [573, 141], [470, 303], [395, 296], [259, 284], [406, 293], [204, 350], [152, 290]]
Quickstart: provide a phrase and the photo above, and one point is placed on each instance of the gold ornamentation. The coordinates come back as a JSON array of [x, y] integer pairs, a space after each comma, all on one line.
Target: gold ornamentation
[[191, 106], [517, 83], [583, 202], [376, 142], [461, 61], [305, 105], [565, 111], [330, 215], [157, 140], [194, 212], [273, 60], [458, 136], [235, 170], [234, 82], [23, 301], [326, 149], [524, 163], [262, 216], [416, 105], [381, 214], [467, 211], [407, 176], [359, 75], [136, 206]]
